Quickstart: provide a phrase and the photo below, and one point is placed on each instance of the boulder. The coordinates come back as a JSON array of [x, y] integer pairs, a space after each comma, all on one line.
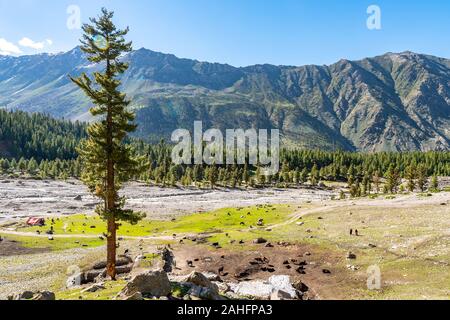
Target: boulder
[[28, 295], [121, 261], [75, 280], [264, 289], [283, 283], [280, 295], [204, 293], [254, 289], [137, 296], [90, 275], [200, 280], [154, 283], [211, 276], [44, 296]]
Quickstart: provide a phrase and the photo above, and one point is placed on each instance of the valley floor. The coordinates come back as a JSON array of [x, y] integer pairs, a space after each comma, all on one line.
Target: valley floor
[[406, 236], [24, 198]]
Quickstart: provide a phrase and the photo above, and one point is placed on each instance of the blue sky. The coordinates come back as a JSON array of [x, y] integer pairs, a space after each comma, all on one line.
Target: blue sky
[[239, 32]]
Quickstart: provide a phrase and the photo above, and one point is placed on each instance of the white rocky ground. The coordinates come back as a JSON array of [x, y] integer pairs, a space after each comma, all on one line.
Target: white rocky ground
[[23, 198]]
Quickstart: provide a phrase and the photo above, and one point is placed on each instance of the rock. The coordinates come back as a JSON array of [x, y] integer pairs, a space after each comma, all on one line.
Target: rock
[[44, 296], [223, 287], [28, 295], [90, 275], [138, 261], [268, 245], [300, 223], [326, 271], [137, 296], [283, 283], [280, 295], [204, 293], [75, 280], [121, 261], [124, 269], [94, 288], [200, 280], [255, 289], [78, 198], [259, 241], [211, 276], [264, 289], [300, 286], [155, 283]]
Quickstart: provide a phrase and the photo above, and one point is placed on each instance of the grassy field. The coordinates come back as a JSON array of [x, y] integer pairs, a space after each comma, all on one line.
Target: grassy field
[[223, 219], [407, 237]]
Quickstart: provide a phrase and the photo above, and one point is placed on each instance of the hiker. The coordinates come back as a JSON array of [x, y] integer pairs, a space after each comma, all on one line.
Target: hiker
[[351, 232], [356, 233]]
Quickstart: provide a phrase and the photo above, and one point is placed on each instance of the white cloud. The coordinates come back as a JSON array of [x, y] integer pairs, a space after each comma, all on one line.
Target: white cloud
[[28, 43], [7, 48]]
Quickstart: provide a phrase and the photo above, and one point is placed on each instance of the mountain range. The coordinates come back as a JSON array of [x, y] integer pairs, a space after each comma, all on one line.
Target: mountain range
[[393, 102]]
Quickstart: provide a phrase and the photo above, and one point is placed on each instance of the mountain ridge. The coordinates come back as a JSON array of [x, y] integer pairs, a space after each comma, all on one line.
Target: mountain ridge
[[391, 102]]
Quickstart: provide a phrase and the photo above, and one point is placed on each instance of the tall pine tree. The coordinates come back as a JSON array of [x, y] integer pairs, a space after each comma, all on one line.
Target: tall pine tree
[[107, 161]]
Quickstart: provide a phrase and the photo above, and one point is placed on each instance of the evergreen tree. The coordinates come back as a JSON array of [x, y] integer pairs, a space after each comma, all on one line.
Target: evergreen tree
[[421, 177], [315, 176], [410, 175], [392, 179], [107, 161], [434, 183]]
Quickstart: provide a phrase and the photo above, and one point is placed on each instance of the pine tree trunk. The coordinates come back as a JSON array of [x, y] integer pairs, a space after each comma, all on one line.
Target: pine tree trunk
[[111, 249], [112, 227], [110, 195]]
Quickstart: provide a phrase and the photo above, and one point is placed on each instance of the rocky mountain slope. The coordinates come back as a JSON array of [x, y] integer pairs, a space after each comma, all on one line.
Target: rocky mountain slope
[[392, 102]]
